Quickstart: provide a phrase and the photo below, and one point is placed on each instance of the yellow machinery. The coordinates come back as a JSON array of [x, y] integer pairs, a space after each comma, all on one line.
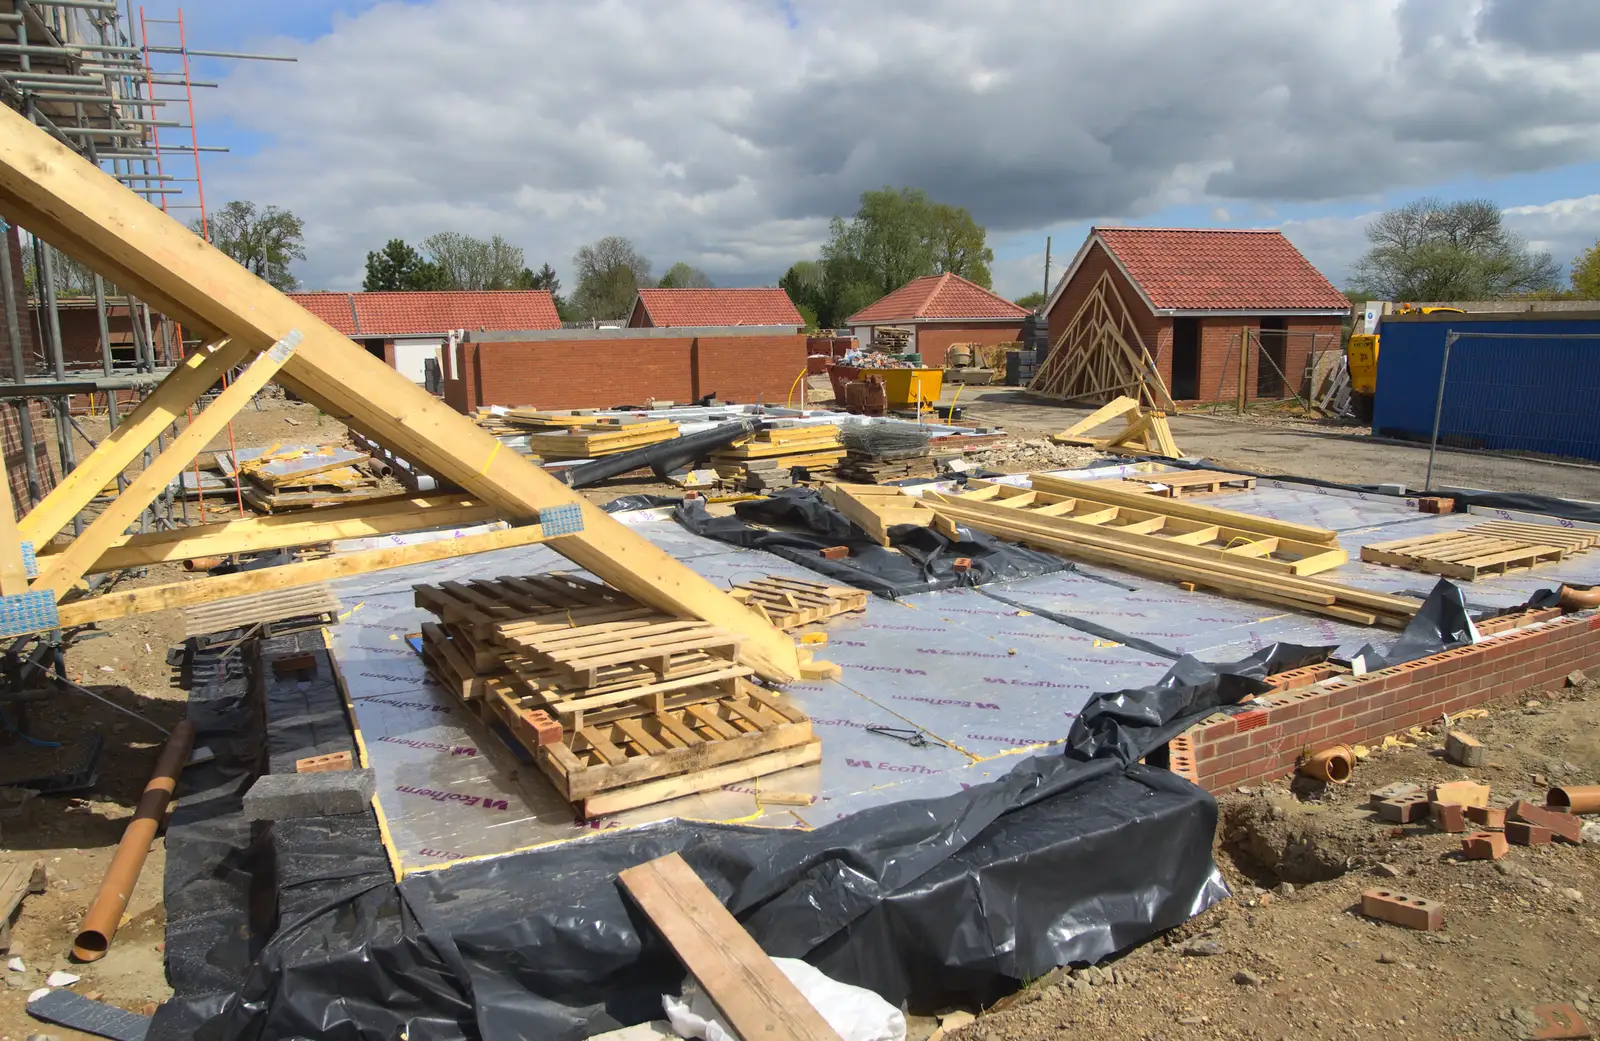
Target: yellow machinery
[[1361, 359]]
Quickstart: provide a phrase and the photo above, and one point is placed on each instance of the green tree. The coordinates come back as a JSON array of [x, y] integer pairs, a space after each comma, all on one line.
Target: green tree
[[897, 235], [682, 276], [545, 278], [263, 241], [806, 285], [1032, 301], [1433, 250], [1586, 274], [398, 267], [610, 273], [958, 244], [474, 263]]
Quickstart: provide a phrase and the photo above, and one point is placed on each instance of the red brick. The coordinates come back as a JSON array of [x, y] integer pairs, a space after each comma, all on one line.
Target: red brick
[[333, 762], [1487, 817], [1484, 845], [1562, 825], [834, 552], [1558, 1022], [1413, 912], [546, 730], [1521, 833], [1448, 816]]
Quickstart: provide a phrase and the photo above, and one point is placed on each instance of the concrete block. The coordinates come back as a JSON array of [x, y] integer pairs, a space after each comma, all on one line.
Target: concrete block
[[287, 796], [1464, 749]]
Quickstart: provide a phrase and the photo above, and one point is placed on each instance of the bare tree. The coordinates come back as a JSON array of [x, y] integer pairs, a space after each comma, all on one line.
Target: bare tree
[[473, 263], [1433, 250], [264, 241], [610, 272]]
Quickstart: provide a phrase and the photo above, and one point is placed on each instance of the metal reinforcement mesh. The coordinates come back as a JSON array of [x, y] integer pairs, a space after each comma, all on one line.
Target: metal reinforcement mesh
[[886, 440]]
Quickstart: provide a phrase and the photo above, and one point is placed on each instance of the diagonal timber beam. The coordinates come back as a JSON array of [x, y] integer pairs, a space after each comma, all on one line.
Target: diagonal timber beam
[[286, 530], [71, 203], [58, 573], [118, 450]]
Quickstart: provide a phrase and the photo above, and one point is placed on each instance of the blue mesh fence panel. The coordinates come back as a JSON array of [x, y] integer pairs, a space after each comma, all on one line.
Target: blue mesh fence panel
[[1516, 392]]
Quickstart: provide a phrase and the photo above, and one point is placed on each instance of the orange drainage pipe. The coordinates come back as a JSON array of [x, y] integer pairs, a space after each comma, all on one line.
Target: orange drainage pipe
[[1579, 598], [1582, 798], [1331, 764], [105, 914]]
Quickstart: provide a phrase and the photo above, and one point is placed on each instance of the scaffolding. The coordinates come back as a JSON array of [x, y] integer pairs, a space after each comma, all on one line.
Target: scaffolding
[[116, 87]]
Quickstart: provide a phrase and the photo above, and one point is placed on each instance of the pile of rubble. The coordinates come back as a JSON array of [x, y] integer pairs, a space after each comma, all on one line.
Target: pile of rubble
[[1033, 453]]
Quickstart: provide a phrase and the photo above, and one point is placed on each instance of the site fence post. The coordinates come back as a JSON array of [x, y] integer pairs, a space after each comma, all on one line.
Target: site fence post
[[1438, 408]]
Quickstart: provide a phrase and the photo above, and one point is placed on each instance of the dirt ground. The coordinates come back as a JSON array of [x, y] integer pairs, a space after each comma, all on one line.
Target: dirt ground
[[1316, 962], [1289, 956]]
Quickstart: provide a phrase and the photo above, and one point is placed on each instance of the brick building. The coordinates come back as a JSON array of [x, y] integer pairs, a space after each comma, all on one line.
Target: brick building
[[407, 329], [602, 368], [702, 308], [942, 310], [1196, 294]]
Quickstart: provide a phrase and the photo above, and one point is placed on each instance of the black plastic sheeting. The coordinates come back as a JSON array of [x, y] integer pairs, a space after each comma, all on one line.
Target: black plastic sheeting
[[924, 561], [1067, 859]]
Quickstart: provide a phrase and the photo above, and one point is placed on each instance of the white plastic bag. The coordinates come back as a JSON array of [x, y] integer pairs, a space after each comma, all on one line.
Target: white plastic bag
[[854, 1013]]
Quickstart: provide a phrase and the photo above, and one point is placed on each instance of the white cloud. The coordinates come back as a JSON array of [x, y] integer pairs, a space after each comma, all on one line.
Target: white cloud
[[715, 132], [1565, 228]]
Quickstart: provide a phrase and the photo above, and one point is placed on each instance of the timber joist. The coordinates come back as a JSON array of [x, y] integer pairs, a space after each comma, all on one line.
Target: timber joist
[[76, 207]]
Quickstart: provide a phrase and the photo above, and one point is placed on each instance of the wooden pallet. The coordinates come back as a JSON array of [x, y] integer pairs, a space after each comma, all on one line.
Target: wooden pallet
[[607, 767], [789, 603], [1483, 549], [579, 654], [477, 606], [1193, 482], [235, 612]]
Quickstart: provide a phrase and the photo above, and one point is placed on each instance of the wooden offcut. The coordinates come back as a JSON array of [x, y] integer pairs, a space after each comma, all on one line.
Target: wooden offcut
[[54, 193], [756, 999]]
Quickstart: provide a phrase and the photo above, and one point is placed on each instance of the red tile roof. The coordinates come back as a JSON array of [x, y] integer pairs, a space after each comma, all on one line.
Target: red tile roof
[[935, 298], [1220, 269], [684, 307], [429, 313]]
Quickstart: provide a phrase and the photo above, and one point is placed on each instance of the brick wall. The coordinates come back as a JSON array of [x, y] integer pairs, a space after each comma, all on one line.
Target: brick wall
[[1264, 743], [602, 372], [749, 368], [933, 338]]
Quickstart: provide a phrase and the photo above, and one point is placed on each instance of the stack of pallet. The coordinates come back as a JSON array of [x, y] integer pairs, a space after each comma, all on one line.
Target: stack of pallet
[[618, 704], [298, 477], [764, 462], [593, 440]]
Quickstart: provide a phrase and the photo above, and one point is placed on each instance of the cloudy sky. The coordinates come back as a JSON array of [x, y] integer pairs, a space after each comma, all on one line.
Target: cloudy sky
[[727, 132]]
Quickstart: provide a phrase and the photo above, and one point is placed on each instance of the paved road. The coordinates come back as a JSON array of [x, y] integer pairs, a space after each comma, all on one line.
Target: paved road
[[1303, 449]]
